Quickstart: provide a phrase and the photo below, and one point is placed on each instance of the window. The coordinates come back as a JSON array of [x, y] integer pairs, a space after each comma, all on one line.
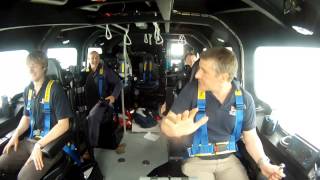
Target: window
[[14, 76], [287, 78], [66, 56], [98, 49]]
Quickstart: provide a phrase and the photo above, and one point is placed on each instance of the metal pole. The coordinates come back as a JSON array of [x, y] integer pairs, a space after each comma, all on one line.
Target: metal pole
[[122, 91]]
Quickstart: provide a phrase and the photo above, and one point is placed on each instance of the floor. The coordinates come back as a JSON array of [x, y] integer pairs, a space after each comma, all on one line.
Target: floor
[[139, 151]]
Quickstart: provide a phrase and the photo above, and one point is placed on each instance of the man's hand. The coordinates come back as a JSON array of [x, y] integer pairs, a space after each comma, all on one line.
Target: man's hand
[[183, 124], [273, 172], [36, 157], [111, 99], [13, 142]]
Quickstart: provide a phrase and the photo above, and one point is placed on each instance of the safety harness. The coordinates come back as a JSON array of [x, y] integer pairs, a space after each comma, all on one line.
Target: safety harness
[[147, 69], [70, 149], [100, 81], [200, 145]]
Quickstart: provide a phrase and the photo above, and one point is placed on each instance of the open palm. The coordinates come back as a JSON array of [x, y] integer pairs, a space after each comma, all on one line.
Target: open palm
[[183, 124]]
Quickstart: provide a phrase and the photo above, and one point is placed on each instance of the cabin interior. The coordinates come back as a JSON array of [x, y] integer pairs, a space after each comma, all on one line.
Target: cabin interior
[[276, 43]]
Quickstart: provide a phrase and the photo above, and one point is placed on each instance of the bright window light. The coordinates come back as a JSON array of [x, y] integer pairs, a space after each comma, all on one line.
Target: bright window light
[[176, 49], [175, 61], [98, 49], [221, 40], [66, 56], [229, 48], [13, 64], [287, 78], [302, 30]]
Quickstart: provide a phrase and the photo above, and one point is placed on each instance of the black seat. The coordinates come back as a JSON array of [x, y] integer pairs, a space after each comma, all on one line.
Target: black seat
[[66, 167], [55, 72]]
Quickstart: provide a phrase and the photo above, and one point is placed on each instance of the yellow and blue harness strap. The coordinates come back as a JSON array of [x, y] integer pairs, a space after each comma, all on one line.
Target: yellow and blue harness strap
[[236, 134], [46, 108], [150, 70], [100, 81], [200, 145], [30, 94], [144, 70], [69, 149]]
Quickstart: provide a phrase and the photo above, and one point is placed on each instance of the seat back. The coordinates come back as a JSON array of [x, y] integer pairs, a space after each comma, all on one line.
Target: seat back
[[54, 71]]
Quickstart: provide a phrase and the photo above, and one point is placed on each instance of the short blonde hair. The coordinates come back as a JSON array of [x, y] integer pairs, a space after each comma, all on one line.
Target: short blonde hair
[[38, 57], [226, 61]]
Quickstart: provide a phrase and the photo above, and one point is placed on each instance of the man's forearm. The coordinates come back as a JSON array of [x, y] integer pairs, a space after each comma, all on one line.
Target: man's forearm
[[117, 89], [254, 146], [60, 128], [23, 126]]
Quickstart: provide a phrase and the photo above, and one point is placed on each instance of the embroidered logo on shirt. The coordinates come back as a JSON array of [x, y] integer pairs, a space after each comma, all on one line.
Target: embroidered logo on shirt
[[233, 111]]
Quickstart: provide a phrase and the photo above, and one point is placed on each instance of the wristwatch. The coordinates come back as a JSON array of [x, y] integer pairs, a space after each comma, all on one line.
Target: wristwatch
[[263, 160]]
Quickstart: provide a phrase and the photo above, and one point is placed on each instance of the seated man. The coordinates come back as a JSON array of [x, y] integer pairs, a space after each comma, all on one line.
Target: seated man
[[224, 112], [46, 113]]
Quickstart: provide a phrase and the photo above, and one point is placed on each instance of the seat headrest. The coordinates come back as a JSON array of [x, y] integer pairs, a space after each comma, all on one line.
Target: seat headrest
[[55, 71]]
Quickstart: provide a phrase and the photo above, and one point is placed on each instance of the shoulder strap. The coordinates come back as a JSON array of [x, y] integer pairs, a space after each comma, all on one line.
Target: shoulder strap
[[47, 109], [29, 102], [101, 79], [200, 145], [236, 134]]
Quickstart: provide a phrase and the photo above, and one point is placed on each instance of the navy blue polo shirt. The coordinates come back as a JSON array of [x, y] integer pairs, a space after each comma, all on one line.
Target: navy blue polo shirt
[[221, 116], [111, 85], [59, 104]]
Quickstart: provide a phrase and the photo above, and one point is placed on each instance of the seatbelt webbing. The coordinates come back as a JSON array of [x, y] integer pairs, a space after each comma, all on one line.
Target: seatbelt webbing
[[69, 149], [201, 146], [100, 83]]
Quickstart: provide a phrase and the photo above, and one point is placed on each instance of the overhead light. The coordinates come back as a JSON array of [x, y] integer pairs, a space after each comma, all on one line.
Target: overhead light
[[204, 49], [221, 40], [141, 25], [52, 2], [302, 30], [66, 42]]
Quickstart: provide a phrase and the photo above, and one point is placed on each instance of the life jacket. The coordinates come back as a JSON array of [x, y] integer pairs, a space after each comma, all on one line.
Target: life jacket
[[200, 145], [70, 149]]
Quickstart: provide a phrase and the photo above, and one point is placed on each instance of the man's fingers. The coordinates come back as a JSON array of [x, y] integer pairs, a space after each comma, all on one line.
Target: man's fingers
[[175, 119], [193, 113], [5, 150], [37, 163], [201, 122], [28, 161], [171, 116], [41, 162], [169, 122], [185, 115], [16, 146], [172, 119]]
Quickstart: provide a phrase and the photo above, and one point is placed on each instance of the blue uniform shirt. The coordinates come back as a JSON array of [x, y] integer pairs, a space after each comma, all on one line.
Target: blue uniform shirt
[[59, 104], [221, 116]]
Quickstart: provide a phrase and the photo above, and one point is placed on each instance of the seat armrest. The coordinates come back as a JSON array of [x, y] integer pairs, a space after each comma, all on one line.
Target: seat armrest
[[54, 147]]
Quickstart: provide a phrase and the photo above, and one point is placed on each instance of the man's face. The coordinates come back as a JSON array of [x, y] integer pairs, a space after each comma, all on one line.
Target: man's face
[[94, 60], [208, 78], [36, 71]]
